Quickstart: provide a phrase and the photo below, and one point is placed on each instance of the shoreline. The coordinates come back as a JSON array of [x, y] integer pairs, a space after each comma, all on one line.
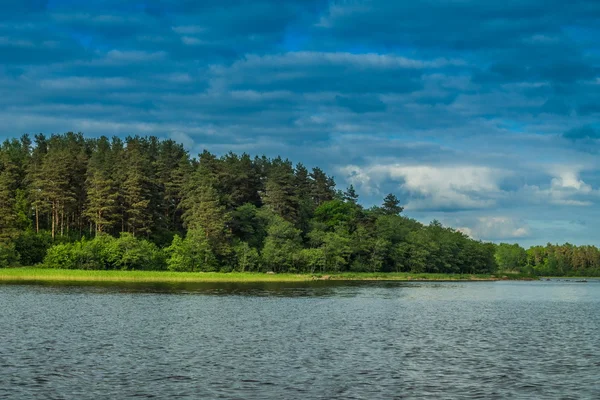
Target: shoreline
[[15, 275]]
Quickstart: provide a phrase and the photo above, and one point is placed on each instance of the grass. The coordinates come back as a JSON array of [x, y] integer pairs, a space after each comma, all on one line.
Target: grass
[[64, 275]]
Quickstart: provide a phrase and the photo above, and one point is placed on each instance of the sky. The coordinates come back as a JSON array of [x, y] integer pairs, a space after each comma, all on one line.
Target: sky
[[484, 115]]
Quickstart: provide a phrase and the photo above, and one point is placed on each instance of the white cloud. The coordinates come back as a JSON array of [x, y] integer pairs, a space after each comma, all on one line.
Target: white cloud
[[191, 41], [430, 186], [566, 188], [80, 83], [372, 60], [183, 138], [495, 228], [568, 178], [360, 178]]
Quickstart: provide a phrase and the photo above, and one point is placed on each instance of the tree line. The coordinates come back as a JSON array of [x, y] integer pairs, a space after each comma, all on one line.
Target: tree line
[[67, 201], [550, 260]]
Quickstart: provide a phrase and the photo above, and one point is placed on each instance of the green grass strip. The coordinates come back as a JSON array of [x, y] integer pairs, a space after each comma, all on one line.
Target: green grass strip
[[57, 275]]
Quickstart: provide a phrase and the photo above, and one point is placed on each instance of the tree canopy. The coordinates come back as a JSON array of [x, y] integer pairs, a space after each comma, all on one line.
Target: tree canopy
[[142, 203]]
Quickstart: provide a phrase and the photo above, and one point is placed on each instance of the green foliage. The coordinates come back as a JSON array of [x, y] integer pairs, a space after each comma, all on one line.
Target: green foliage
[[23, 219], [137, 188], [282, 245], [249, 225], [334, 247], [280, 193], [335, 212], [192, 253], [106, 252], [511, 257], [391, 205], [102, 203], [247, 258], [563, 260], [350, 195], [322, 187], [130, 253], [312, 260], [9, 257], [32, 246], [204, 210], [62, 256]]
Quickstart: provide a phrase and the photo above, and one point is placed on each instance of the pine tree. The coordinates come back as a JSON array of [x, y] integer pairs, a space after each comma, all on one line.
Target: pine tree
[[391, 205], [322, 188], [172, 166], [7, 193], [34, 180], [102, 194], [280, 192], [52, 182], [7, 202], [136, 189], [202, 209], [306, 207], [14, 157], [239, 179], [350, 195]]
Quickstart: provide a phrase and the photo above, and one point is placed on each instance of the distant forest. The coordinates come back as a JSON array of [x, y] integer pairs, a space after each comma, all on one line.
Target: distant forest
[[67, 201]]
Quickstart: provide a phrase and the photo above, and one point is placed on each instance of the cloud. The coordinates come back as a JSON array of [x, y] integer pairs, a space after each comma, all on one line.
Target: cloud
[[496, 228], [457, 118], [323, 72], [565, 189], [361, 104], [10, 7], [441, 24], [427, 187], [584, 132]]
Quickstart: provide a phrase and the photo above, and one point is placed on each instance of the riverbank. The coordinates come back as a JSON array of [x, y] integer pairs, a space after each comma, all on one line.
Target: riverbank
[[63, 275]]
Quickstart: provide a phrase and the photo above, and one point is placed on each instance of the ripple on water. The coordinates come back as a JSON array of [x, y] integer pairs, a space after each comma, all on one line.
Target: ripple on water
[[479, 340]]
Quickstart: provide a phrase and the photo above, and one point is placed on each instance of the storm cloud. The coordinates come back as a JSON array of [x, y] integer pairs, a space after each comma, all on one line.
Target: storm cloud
[[484, 115]]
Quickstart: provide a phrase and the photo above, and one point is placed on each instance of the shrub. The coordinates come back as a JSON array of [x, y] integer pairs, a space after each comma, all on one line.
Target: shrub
[[32, 246], [191, 254], [61, 256], [129, 253], [8, 255], [106, 252], [246, 257]]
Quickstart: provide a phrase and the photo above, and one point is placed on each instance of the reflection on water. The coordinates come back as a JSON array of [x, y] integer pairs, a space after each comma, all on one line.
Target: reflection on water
[[270, 289], [324, 339]]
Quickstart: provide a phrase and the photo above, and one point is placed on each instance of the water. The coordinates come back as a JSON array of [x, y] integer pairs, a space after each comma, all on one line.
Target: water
[[475, 340]]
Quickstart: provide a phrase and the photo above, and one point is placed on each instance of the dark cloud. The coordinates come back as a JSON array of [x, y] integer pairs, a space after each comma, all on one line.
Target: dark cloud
[[589, 108], [582, 133], [464, 107], [10, 8], [456, 25], [361, 104], [556, 106], [323, 72]]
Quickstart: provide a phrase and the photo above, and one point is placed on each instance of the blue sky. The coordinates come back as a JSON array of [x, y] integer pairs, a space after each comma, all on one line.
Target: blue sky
[[482, 114]]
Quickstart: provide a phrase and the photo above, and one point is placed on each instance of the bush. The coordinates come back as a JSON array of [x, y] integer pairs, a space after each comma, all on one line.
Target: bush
[[106, 252], [61, 256], [246, 257], [8, 255], [32, 246], [129, 253], [191, 254], [95, 253], [312, 260]]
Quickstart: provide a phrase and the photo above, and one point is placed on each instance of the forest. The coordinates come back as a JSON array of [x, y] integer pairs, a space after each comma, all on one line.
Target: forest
[[142, 203]]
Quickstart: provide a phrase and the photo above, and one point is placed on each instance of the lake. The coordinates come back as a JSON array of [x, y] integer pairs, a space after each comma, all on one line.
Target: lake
[[321, 340]]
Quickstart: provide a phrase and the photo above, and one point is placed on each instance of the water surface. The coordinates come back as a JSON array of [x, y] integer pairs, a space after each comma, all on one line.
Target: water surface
[[320, 340]]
